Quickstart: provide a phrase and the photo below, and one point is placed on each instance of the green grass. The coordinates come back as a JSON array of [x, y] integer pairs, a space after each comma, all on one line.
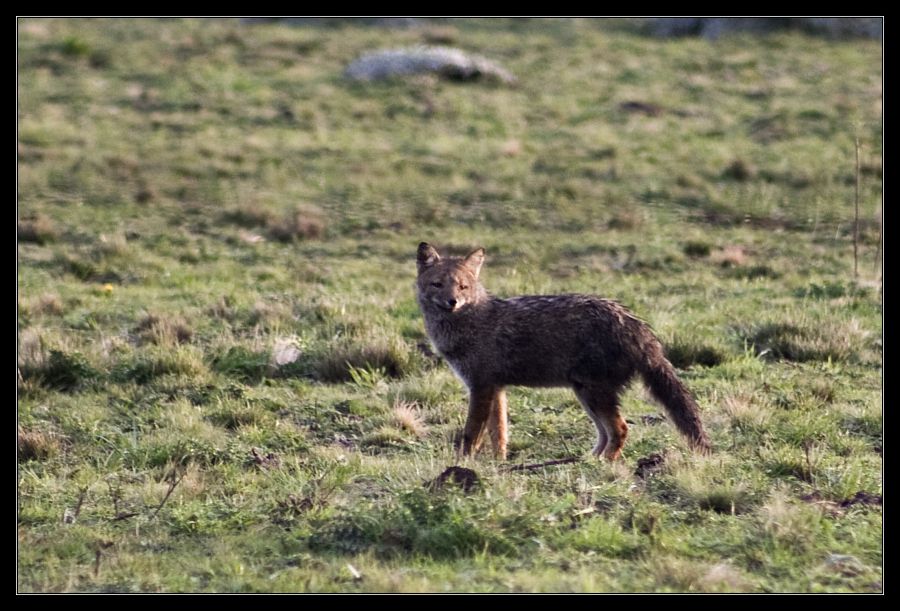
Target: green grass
[[216, 250]]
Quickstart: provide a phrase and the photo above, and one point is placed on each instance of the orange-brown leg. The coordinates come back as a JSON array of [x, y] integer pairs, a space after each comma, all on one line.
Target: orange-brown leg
[[615, 423], [480, 402], [498, 424]]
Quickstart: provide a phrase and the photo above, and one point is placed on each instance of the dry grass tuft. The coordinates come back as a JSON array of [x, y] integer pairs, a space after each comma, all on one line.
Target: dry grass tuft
[[408, 417], [266, 314], [794, 525], [38, 229], [746, 410], [112, 244], [723, 577], [163, 331], [388, 355], [729, 256], [47, 304], [807, 340], [223, 308], [511, 148], [32, 444], [692, 576], [32, 352], [704, 482], [302, 223], [625, 220]]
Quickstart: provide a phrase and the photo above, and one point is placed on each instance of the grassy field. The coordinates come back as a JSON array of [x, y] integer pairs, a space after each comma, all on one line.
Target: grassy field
[[223, 378]]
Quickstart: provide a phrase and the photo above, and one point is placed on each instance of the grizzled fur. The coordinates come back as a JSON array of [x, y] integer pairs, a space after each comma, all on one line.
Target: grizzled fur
[[594, 346]]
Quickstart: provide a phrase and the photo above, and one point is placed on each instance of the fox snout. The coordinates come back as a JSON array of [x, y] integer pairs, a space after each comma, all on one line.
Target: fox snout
[[444, 292], [451, 304]]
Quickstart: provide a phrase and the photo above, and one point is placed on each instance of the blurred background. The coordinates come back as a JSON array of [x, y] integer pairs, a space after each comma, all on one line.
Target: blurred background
[[231, 125]]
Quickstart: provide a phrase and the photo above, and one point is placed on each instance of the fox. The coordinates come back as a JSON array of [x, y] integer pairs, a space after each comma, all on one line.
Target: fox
[[594, 346]]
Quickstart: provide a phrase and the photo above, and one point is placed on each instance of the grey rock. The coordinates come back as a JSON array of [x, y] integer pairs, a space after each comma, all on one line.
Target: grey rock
[[443, 61]]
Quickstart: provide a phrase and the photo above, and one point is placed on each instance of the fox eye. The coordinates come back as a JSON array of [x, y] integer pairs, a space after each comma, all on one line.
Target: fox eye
[[437, 285]]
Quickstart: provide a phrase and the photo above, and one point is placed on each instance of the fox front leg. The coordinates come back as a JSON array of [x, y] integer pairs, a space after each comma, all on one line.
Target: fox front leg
[[480, 403]]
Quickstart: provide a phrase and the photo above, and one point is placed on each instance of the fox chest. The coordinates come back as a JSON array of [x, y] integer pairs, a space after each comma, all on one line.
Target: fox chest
[[461, 351], [448, 343]]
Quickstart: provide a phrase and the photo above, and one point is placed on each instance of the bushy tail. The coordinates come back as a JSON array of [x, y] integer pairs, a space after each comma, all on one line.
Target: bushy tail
[[660, 377]]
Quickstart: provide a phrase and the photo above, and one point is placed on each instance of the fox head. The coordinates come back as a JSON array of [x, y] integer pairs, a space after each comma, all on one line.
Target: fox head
[[448, 285]]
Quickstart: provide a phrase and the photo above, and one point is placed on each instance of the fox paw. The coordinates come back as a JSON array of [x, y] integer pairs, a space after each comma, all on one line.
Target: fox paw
[[598, 448]]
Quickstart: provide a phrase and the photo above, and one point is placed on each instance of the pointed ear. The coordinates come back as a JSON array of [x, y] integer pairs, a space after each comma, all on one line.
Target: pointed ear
[[474, 260], [426, 257]]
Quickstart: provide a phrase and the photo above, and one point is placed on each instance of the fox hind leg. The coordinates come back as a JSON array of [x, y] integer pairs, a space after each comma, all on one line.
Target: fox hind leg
[[602, 437], [602, 405]]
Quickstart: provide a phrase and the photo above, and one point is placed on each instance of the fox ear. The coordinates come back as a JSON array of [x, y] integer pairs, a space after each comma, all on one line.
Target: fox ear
[[474, 260], [426, 257]]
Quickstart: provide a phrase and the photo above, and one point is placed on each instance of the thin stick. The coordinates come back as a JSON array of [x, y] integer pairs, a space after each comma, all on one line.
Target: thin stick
[[172, 485], [541, 465], [856, 218], [806, 448], [114, 494], [98, 555], [80, 502]]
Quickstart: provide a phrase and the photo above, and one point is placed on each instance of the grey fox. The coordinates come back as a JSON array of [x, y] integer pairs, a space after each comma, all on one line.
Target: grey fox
[[592, 345]]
